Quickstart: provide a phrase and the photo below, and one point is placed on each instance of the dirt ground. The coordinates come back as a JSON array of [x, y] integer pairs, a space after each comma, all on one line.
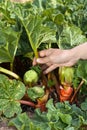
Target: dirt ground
[[4, 126]]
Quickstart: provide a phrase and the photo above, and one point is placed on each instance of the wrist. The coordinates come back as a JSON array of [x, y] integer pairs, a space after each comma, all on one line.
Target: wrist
[[75, 53], [80, 51]]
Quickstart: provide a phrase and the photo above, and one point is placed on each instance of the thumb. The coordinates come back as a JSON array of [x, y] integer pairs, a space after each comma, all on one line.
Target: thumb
[[42, 60]]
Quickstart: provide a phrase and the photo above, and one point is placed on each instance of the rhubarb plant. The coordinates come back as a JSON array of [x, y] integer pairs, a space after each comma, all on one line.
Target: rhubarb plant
[[24, 30]]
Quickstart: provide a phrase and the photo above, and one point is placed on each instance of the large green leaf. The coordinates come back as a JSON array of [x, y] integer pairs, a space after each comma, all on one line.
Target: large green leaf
[[70, 37], [8, 44], [10, 92], [37, 32], [82, 70]]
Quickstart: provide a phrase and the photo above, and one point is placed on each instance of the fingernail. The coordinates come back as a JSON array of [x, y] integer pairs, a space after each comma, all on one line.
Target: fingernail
[[38, 60]]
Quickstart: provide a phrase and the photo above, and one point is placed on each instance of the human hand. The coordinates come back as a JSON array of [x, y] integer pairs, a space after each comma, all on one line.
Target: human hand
[[50, 59]]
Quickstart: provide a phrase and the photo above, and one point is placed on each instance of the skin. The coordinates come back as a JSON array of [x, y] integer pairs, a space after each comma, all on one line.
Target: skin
[[50, 59]]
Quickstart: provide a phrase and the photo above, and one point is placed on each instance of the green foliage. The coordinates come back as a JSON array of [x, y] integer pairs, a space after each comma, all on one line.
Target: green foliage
[[10, 92], [30, 76], [35, 92], [37, 68], [82, 70], [37, 33], [66, 75], [84, 105], [62, 116], [8, 44], [71, 36], [23, 29]]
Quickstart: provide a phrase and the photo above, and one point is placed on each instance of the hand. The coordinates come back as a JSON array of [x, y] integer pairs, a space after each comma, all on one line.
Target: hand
[[50, 59]]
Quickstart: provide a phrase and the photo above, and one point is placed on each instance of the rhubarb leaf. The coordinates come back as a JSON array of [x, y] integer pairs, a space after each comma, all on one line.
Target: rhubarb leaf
[[35, 92], [36, 31], [10, 92], [70, 37], [8, 44]]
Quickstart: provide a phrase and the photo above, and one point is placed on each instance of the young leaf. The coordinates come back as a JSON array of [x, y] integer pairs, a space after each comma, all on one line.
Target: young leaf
[[35, 92], [66, 118], [21, 122], [81, 70]]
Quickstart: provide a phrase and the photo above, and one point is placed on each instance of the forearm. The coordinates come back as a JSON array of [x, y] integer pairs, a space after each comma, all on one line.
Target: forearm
[[80, 51]]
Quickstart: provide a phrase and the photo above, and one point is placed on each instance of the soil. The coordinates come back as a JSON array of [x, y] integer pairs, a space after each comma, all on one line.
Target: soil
[[4, 126], [4, 121]]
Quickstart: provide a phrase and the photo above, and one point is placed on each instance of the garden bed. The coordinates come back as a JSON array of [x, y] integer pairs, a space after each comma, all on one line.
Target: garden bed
[[56, 100]]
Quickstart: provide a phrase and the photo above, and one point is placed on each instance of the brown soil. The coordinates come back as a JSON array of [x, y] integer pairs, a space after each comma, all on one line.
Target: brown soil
[[4, 126]]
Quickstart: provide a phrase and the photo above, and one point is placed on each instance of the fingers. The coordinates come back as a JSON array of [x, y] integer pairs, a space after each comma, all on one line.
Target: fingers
[[54, 66], [51, 68], [43, 57], [40, 61], [45, 66], [44, 53]]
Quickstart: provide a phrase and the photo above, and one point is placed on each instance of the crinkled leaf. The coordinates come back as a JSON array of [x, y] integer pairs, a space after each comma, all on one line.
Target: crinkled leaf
[[35, 92], [82, 70], [36, 31], [59, 119], [70, 37], [69, 128], [66, 118], [59, 19], [23, 122], [8, 44], [40, 120], [20, 122], [84, 106], [50, 105], [10, 92], [40, 116], [53, 113], [59, 125]]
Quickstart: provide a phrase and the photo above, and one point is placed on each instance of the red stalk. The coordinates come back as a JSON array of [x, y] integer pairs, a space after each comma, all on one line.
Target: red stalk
[[27, 103]]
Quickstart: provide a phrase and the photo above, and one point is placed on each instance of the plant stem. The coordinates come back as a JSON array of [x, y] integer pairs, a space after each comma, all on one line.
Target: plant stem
[[75, 93], [8, 72], [43, 76], [36, 53], [56, 83], [11, 66], [27, 103]]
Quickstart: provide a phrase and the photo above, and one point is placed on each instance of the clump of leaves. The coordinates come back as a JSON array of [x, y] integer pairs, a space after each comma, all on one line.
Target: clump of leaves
[[62, 116]]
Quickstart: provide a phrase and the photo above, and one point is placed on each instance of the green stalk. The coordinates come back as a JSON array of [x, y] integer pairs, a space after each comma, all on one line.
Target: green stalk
[[8, 72], [36, 54], [11, 66]]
